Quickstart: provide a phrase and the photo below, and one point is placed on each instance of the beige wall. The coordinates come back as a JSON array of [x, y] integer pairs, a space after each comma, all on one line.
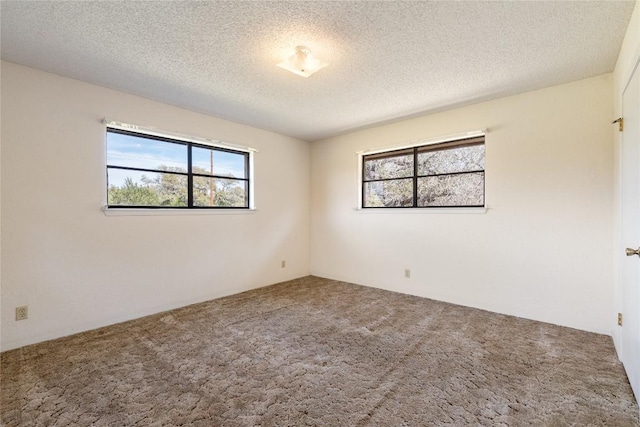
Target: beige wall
[[542, 250], [78, 269], [627, 61]]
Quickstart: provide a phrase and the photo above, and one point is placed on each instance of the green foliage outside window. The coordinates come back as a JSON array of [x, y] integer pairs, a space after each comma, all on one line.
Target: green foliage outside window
[[135, 179]]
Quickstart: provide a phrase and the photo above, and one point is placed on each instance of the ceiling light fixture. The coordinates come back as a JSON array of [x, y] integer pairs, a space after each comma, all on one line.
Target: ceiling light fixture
[[302, 63]]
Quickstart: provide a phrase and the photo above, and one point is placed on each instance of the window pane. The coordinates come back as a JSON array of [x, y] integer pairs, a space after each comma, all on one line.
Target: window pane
[[145, 153], [221, 163], [390, 194], [219, 192], [388, 167], [459, 159], [452, 190], [135, 188]]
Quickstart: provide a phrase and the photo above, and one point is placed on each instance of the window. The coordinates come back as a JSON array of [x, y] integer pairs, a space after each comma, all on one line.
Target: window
[[449, 174], [148, 171]]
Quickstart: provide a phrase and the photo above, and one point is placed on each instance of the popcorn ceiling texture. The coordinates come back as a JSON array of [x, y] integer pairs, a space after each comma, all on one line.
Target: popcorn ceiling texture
[[388, 60], [318, 352]]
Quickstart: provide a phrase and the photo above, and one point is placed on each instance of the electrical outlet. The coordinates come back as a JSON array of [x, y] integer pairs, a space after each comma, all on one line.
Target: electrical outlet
[[22, 312], [407, 273], [283, 264]]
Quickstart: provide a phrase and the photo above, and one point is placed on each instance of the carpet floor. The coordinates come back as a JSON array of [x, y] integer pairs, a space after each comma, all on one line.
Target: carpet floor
[[317, 352]]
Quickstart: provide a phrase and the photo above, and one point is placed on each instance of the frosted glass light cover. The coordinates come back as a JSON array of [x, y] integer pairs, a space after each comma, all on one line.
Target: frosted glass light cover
[[302, 63]]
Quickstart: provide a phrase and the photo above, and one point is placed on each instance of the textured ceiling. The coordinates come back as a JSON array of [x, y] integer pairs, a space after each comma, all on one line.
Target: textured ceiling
[[388, 60]]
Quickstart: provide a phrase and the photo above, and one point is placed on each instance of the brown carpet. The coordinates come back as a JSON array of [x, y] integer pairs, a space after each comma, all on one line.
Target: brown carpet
[[316, 352]]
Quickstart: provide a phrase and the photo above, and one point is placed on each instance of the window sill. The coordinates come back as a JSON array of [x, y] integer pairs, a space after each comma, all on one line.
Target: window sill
[[422, 210], [173, 212]]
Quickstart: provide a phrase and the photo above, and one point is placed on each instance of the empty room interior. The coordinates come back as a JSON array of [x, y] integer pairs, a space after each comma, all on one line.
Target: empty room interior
[[284, 213]]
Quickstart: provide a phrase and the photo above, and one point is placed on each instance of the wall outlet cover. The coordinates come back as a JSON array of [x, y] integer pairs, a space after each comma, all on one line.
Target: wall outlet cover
[[22, 312]]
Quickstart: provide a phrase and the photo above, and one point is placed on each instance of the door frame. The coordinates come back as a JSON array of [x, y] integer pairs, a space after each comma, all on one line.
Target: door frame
[[622, 242], [628, 63]]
